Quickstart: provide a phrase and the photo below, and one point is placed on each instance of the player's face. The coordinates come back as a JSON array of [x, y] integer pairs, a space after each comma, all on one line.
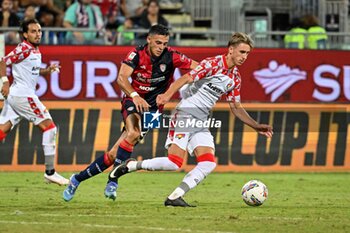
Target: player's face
[[237, 55], [157, 44], [34, 34]]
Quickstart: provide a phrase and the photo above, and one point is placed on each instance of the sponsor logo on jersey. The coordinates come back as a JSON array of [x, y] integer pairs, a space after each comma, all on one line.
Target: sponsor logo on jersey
[[130, 108], [131, 56], [276, 79], [35, 68], [215, 88], [147, 88], [162, 67]]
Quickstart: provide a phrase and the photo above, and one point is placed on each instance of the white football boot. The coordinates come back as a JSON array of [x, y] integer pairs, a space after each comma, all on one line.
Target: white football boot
[[56, 179]]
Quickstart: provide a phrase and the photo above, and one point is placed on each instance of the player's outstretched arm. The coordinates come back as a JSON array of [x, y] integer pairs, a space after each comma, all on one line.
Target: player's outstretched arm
[[50, 69], [238, 110], [164, 98]]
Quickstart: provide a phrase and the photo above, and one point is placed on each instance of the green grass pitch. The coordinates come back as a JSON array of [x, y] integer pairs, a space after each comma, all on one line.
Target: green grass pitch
[[298, 202]]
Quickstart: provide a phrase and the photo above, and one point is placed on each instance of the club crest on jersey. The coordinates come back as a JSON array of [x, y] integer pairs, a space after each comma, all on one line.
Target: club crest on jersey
[[179, 135], [229, 86], [162, 67]]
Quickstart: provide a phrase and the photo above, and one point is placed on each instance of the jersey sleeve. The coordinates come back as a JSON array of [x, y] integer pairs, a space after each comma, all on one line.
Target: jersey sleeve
[[132, 59], [17, 55], [235, 94], [181, 60], [204, 69]]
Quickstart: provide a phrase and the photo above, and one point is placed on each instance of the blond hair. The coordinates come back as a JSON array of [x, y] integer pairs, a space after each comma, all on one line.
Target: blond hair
[[240, 37]]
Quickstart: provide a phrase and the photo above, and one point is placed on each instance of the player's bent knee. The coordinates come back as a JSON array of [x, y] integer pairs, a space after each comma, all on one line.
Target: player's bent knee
[[207, 163], [133, 135], [109, 158], [111, 155], [177, 161]]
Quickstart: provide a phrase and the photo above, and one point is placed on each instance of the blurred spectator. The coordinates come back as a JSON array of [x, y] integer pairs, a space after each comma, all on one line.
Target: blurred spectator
[[29, 12], [63, 4], [84, 14], [295, 38], [49, 10], [135, 8], [108, 7], [8, 18], [315, 41], [125, 38], [113, 21], [149, 18]]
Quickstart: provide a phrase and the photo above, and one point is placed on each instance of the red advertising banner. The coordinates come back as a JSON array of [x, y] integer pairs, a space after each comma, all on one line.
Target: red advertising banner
[[269, 75]]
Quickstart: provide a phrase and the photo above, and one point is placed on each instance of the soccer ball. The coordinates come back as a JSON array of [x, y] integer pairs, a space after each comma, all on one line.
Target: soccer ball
[[254, 193]]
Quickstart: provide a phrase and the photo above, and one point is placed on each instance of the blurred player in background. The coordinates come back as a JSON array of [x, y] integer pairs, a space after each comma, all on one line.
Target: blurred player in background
[[151, 69], [214, 77], [21, 100]]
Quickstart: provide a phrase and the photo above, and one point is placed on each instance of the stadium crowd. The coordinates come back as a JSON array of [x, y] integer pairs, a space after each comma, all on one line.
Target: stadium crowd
[[106, 22], [107, 17]]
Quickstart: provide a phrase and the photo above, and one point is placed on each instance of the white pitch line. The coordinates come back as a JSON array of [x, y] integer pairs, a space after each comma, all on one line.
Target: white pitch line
[[113, 226], [278, 218], [116, 215]]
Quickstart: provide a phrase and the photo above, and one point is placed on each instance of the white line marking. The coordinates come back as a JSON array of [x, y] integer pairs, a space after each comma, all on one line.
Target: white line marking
[[113, 226], [118, 216], [278, 218]]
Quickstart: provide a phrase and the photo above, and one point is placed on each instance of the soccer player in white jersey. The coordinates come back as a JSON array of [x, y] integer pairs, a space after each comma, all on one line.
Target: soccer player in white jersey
[[21, 100], [211, 79]]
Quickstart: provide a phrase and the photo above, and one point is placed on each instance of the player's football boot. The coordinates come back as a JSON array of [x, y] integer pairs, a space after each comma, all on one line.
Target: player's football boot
[[111, 190], [119, 170], [177, 202], [55, 179], [69, 192]]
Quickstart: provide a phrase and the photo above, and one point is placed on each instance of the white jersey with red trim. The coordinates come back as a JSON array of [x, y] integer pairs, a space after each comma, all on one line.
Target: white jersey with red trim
[[25, 60], [212, 79]]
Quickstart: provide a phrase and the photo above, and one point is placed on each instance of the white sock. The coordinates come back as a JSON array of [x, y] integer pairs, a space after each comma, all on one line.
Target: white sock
[[193, 178], [198, 173], [158, 164], [178, 192], [132, 166], [49, 147]]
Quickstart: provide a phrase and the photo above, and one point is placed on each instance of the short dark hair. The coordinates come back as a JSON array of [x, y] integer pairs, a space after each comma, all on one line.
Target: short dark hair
[[158, 29], [25, 24]]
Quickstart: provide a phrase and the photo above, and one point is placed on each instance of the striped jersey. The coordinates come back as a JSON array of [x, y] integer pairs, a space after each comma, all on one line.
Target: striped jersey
[[212, 80], [26, 61], [153, 76]]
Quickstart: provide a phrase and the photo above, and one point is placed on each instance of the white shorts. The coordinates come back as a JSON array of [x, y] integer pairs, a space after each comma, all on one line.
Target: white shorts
[[16, 108], [189, 138]]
